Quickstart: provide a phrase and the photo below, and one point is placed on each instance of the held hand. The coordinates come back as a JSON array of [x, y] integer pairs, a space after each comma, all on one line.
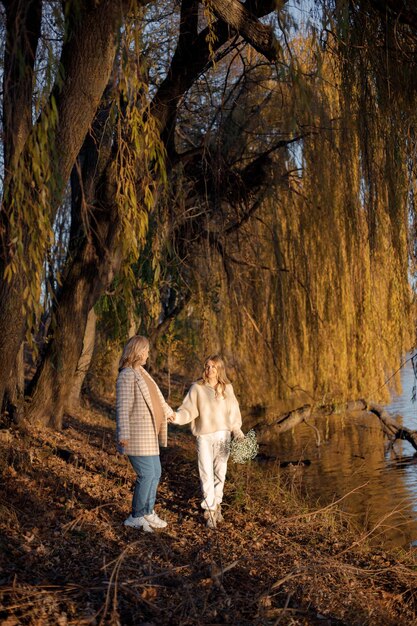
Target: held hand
[[123, 442], [171, 418]]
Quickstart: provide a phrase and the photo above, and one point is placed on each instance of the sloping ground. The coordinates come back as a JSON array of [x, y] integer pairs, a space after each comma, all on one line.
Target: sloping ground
[[66, 558]]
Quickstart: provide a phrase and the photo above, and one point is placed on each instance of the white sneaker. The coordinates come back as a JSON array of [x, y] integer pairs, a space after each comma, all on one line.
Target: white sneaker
[[155, 521], [138, 522]]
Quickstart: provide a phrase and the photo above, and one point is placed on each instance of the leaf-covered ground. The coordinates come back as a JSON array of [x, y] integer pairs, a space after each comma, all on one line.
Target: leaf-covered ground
[[66, 558]]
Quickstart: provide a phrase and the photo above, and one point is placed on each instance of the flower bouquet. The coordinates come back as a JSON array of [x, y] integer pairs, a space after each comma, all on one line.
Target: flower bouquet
[[244, 450]]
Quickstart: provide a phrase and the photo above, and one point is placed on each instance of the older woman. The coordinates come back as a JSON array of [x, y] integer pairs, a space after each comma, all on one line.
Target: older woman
[[141, 418], [213, 411]]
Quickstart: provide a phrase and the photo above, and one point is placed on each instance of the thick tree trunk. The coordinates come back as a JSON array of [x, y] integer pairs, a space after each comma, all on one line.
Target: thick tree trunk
[[53, 382], [86, 61], [23, 24], [14, 394], [13, 330], [93, 260], [74, 399]]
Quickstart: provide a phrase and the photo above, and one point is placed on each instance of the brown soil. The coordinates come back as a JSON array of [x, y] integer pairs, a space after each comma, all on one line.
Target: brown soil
[[66, 558]]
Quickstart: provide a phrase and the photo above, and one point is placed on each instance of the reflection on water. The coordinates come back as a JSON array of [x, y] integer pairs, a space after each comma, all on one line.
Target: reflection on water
[[353, 454]]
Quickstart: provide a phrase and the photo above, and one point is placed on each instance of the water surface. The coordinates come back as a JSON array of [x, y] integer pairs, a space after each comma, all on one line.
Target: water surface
[[354, 459]]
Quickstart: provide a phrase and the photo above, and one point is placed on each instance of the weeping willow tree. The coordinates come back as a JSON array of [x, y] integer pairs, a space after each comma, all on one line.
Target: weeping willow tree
[[304, 283], [283, 237], [114, 145]]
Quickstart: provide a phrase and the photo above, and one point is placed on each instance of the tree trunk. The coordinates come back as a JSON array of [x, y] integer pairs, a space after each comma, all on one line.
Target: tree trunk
[[51, 387], [23, 24], [23, 27], [13, 331], [14, 394], [74, 399], [86, 62], [93, 260]]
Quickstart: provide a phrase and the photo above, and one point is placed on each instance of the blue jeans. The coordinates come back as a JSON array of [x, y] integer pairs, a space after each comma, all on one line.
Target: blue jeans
[[148, 473]]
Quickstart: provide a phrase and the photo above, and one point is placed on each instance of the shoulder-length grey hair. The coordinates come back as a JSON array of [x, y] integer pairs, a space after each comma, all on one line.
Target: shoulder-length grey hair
[[220, 387], [133, 351]]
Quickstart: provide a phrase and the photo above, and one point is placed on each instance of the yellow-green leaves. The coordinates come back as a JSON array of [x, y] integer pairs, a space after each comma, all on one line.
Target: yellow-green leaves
[[139, 167]]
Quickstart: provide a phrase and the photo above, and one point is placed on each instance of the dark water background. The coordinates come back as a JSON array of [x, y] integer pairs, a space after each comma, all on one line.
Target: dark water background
[[353, 457]]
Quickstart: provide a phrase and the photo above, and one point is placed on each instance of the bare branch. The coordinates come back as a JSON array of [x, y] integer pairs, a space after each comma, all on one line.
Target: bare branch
[[237, 16]]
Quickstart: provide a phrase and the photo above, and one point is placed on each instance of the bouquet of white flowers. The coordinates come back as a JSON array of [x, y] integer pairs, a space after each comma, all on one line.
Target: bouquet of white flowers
[[244, 450]]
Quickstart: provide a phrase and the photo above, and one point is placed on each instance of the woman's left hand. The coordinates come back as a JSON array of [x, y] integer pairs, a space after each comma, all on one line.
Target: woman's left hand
[[238, 434], [171, 418]]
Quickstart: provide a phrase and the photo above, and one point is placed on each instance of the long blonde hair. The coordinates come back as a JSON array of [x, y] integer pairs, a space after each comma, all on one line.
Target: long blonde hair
[[132, 351], [222, 381]]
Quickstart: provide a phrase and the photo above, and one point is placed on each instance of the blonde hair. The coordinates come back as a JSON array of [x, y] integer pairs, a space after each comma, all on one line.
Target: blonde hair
[[132, 351], [222, 379]]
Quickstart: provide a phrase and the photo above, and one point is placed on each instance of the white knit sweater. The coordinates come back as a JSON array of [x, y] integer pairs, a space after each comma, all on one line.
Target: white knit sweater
[[207, 413]]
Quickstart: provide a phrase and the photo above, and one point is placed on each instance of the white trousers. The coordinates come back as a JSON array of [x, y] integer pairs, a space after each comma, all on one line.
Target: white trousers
[[213, 452]]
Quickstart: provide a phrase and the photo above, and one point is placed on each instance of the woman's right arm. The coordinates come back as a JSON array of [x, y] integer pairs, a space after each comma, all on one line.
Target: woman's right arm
[[125, 396], [188, 410]]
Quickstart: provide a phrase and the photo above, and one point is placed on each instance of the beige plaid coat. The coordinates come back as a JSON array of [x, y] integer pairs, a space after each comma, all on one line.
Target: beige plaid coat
[[135, 422]]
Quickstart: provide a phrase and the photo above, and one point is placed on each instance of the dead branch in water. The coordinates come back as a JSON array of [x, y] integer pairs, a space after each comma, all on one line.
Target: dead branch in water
[[390, 426]]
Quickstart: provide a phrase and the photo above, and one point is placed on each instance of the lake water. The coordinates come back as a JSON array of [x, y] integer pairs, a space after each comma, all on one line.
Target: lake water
[[378, 486]]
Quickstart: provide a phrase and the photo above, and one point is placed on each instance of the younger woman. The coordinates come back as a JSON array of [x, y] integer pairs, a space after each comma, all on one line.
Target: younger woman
[[213, 410]]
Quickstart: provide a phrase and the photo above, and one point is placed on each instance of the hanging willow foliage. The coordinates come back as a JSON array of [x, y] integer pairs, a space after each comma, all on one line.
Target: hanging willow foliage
[[30, 230], [139, 165], [310, 300]]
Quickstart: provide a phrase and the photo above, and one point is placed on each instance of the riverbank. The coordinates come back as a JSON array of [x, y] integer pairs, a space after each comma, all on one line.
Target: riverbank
[[66, 558]]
